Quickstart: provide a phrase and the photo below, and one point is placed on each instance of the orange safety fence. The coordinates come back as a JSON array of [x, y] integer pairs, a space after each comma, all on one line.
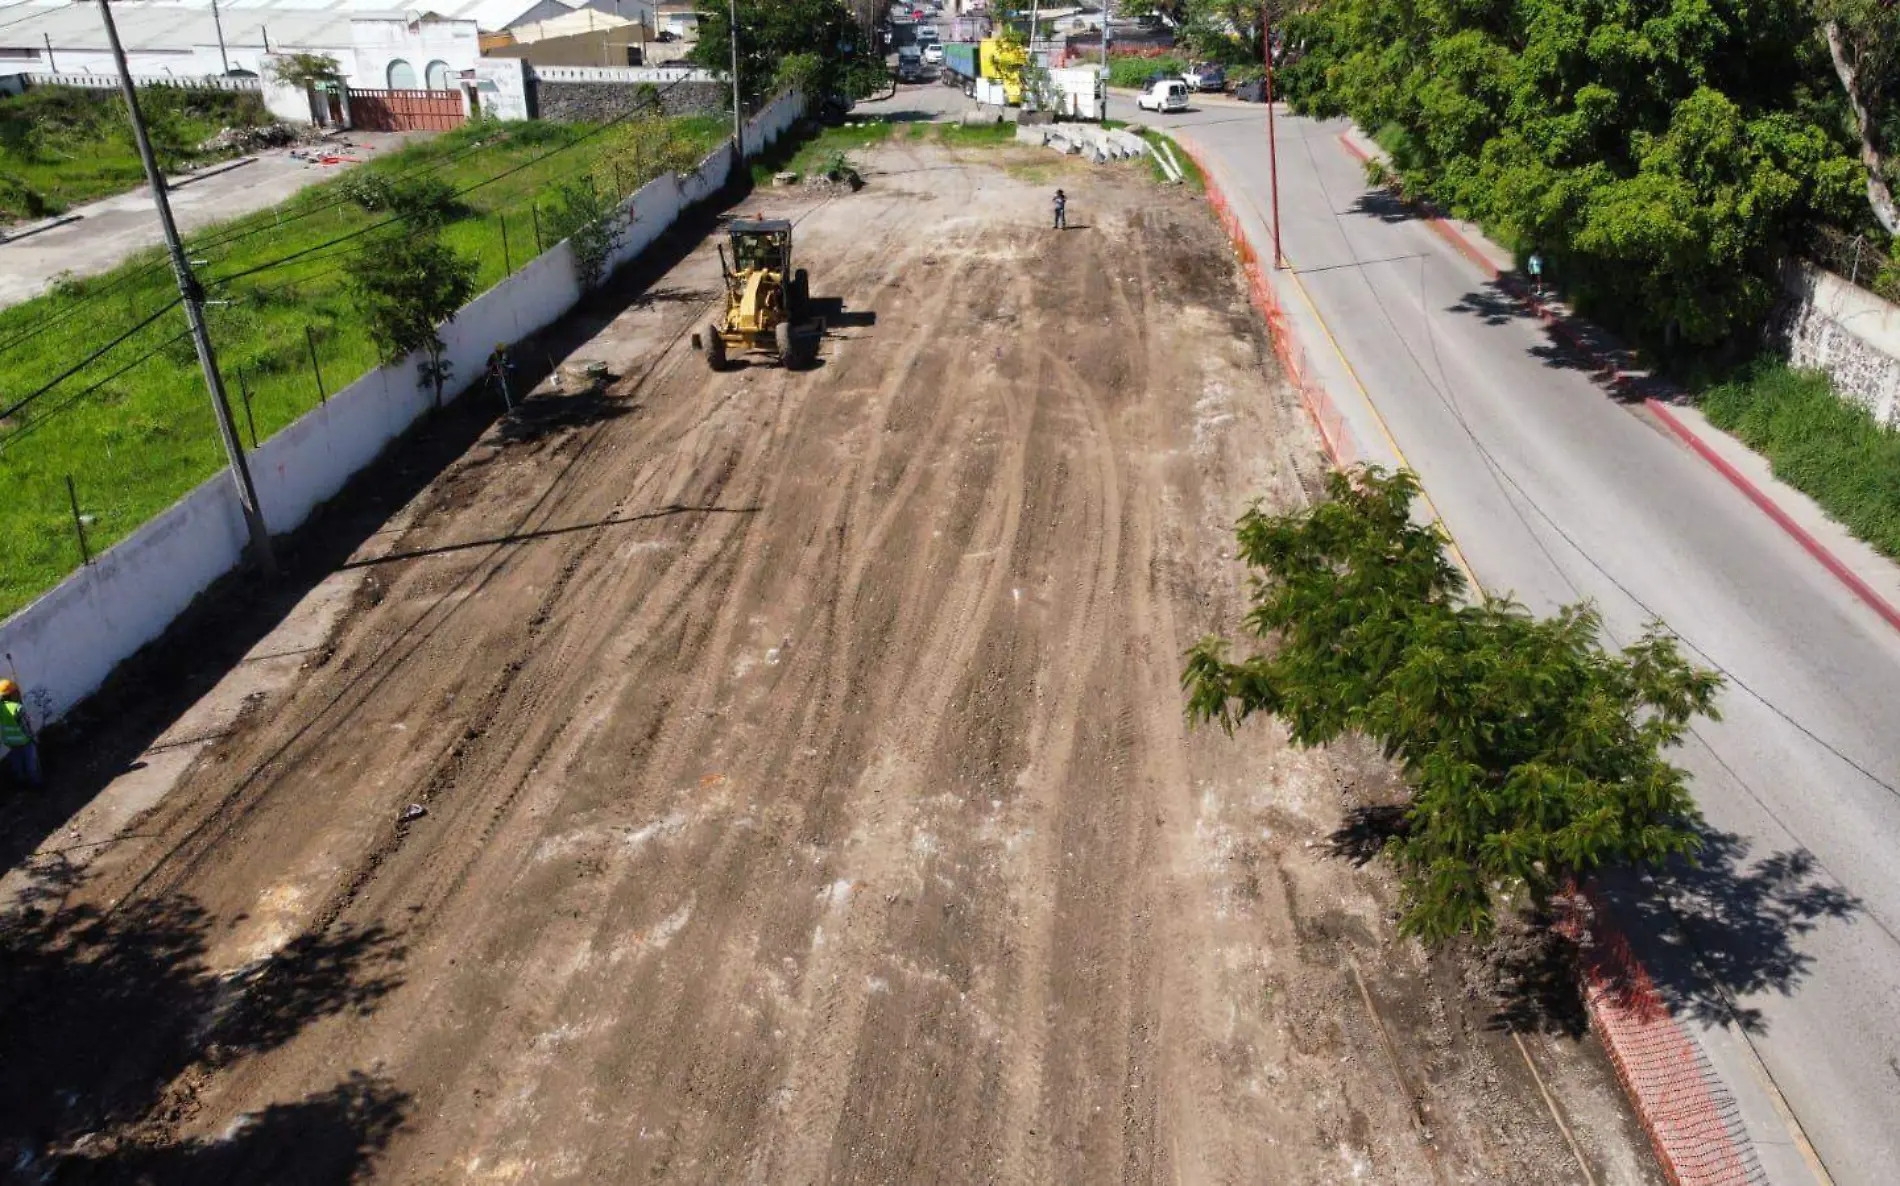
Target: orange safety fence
[[1293, 359]]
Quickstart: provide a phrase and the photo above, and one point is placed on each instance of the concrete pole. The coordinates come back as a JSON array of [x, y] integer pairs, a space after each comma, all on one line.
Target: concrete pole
[[1107, 7], [218, 23], [738, 112], [193, 295], [1273, 144], [52, 67]]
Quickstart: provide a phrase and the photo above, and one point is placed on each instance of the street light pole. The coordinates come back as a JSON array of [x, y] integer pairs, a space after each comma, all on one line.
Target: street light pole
[[193, 294], [738, 116], [218, 23], [1273, 145]]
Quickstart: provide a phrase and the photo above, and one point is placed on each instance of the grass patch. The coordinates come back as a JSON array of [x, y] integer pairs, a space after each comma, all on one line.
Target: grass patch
[[1191, 175], [814, 154], [63, 146], [1827, 447], [975, 135], [135, 430]]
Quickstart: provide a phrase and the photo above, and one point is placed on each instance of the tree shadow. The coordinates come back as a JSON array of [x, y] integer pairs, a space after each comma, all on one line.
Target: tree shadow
[[320, 1140], [1385, 206], [1492, 305], [102, 1011], [545, 414], [1362, 835], [1727, 926]]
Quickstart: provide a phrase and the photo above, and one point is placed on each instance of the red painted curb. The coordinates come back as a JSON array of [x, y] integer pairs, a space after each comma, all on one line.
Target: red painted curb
[[1740, 481], [1814, 547]]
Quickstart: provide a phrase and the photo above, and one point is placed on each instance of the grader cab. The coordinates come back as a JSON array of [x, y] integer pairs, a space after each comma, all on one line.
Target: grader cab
[[766, 297]]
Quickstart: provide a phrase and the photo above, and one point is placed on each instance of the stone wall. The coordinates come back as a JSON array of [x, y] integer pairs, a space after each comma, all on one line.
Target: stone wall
[[1831, 325], [598, 102]]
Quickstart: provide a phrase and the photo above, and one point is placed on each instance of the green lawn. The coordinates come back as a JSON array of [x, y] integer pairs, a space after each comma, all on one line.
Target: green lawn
[[815, 154], [63, 146], [134, 430], [1819, 443]]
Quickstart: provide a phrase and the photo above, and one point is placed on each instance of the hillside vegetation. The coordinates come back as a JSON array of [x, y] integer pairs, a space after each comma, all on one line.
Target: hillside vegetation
[[64, 146]]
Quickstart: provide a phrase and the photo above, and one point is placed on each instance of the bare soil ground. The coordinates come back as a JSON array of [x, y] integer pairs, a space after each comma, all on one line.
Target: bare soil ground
[[807, 791]]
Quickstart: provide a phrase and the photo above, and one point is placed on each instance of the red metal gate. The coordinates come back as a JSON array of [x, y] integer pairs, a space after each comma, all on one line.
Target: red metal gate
[[406, 111]]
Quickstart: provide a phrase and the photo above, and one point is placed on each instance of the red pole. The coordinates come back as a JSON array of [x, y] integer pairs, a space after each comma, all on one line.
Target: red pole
[[1273, 145]]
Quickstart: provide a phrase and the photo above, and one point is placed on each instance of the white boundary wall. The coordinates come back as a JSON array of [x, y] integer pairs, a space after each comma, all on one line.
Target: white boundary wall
[[67, 642]]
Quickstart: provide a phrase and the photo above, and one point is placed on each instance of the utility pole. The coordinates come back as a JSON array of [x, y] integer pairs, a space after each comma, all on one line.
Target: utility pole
[[52, 67], [1107, 7], [218, 23], [738, 112], [1273, 144], [193, 294]]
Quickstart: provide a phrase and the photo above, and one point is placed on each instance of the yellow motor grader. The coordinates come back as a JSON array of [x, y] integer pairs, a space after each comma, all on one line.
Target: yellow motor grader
[[766, 298]]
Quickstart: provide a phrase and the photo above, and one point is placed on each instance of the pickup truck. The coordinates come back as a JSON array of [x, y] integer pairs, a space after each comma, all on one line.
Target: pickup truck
[[1205, 76]]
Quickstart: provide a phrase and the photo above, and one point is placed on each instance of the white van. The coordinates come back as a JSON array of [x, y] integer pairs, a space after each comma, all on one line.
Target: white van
[[1170, 94]]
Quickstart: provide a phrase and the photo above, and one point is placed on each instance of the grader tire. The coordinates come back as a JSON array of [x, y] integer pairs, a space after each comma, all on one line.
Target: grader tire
[[799, 295], [782, 336], [715, 350]]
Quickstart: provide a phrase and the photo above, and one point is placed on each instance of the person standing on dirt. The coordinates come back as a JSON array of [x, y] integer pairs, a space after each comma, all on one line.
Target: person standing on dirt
[[1062, 211], [23, 753]]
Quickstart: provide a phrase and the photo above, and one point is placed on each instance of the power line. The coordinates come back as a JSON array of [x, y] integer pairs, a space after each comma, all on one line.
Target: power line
[[87, 361], [216, 242], [70, 401], [509, 172]]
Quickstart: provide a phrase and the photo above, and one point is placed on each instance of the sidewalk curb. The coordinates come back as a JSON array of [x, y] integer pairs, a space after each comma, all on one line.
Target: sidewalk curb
[[1769, 507], [46, 224], [1689, 1116], [1837, 568]]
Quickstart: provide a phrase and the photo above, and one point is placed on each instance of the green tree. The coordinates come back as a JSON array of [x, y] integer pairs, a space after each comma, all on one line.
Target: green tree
[[305, 70], [405, 285], [833, 53], [1863, 41], [1662, 157], [1533, 754]]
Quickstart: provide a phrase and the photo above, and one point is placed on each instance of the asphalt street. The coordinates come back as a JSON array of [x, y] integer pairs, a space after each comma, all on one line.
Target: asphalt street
[[1781, 951]]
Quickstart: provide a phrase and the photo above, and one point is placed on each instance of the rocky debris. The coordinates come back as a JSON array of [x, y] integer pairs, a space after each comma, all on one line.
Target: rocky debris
[[243, 140]]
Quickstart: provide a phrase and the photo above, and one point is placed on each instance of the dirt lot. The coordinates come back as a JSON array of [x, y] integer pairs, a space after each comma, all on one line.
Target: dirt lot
[[807, 791]]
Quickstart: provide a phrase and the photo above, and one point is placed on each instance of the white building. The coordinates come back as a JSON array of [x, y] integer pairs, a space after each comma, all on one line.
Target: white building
[[375, 45]]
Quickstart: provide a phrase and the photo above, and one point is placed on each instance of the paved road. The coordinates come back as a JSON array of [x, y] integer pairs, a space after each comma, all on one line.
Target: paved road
[[1556, 492], [112, 228]]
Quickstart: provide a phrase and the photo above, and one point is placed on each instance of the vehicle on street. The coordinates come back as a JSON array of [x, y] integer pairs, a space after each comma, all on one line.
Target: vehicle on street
[[1205, 76], [933, 54], [927, 34], [910, 64], [1167, 95], [1252, 92]]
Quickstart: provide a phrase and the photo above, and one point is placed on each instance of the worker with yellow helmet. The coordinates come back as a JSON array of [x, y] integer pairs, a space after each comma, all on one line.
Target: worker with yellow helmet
[[23, 755]]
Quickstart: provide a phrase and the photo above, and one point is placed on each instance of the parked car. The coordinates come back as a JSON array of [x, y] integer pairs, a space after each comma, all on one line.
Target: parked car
[[1252, 92], [1167, 95], [933, 54], [1205, 76]]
